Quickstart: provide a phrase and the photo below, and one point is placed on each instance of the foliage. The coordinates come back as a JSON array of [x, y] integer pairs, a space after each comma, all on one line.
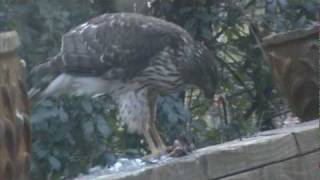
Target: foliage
[[64, 138], [72, 134]]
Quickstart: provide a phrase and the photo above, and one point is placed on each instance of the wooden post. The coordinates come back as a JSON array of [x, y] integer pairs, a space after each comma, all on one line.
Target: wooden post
[[15, 137], [294, 58]]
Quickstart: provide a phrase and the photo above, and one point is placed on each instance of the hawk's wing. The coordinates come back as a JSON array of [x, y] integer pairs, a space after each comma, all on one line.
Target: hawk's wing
[[123, 43]]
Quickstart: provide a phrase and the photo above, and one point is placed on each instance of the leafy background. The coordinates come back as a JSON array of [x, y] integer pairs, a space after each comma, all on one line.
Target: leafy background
[[72, 134]]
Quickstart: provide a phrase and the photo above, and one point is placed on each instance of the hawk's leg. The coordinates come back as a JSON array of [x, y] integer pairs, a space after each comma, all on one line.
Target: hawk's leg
[[149, 140], [160, 146], [151, 133]]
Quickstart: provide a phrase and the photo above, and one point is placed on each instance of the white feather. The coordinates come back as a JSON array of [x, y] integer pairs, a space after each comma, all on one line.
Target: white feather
[[59, 85], [66, 83], [134, 110], [90, 86]]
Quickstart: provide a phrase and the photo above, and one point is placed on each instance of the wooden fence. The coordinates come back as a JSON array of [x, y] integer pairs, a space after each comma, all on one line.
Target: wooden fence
[[291, 153], [294, 59], [14, 127]]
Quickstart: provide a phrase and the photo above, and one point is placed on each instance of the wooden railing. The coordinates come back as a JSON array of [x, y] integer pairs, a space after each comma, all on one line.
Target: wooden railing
[[294, 59], [15, 137], [291, 153]]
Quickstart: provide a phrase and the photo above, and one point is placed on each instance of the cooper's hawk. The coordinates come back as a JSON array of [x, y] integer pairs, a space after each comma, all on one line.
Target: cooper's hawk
[[133, 58]]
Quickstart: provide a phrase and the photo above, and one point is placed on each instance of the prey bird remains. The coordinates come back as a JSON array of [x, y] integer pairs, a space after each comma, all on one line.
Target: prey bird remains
[[133, 58]]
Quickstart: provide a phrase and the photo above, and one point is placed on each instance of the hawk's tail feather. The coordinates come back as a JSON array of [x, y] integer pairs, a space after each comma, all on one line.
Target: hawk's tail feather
[[34, 93], [40, 69], [68, 84], [46, 87], [51, 65], [41, 76]]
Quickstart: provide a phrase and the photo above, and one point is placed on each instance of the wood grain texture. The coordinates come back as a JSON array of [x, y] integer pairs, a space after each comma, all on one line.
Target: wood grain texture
[[240, 156], [300, 168], [306, 135], [294, 59], [284, 37], [14, 127], [9, 41], [282, 154]]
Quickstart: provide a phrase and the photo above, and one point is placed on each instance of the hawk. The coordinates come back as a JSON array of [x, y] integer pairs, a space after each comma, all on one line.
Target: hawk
[[134, 58]]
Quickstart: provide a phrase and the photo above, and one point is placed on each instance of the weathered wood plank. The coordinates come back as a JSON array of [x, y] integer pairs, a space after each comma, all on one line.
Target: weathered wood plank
[[9, 41], [14, 127], [277, 152], [306, 134], [300, 168], [240, 156], [276, 39], [294, 60], [308, 140], [189, 168]]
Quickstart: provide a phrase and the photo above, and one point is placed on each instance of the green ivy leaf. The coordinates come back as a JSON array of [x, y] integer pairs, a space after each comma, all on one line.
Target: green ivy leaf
[[103, 126], [87, 106], [63, 116], [88, 128], [54, 162]]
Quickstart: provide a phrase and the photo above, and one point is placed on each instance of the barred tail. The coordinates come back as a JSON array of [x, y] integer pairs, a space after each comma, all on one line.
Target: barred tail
[[34, 94], [50, 66], [41, 74]]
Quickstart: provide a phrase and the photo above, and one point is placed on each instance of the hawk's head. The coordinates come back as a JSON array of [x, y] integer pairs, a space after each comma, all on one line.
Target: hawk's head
[[205, 74]]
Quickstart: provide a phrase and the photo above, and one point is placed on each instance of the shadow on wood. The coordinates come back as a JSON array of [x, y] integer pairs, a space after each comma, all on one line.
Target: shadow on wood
[[15, 137], [294, 58]]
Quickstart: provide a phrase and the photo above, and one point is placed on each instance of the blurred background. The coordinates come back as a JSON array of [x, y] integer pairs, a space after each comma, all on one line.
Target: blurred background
[[72, 134]]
